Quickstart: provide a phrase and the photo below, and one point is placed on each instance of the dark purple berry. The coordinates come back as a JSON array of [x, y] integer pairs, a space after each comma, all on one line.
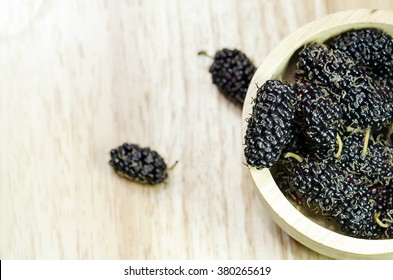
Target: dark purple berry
[[319, 116], [362, 103], [370, 48], [141, 165], [232, 72], [270, 124], [381, 197]]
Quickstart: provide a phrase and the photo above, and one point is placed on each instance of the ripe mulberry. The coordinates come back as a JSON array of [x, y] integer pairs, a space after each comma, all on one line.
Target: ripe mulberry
[[232, 72], [270, 124], [357, 216], [376, 167], [387, 90], [141, 165], [371, 48], [317, 183], [323, 187], [362, 103], [319, 116], [381, 197]]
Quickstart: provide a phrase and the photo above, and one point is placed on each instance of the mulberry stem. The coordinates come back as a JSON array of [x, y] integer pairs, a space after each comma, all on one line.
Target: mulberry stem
[[379, 222], [172, 166], [353, 130], [293, 155], [205, 54], [340, 146], [365, 141]]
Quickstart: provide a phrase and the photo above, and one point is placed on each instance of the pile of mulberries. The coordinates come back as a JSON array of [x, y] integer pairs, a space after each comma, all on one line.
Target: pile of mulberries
[[361, 100], [327, 137]]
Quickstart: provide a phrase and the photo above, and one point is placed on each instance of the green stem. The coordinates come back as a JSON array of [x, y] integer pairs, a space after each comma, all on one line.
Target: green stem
[[293, 155], [204, 53], [340, 146], [365, 141], [379, 222], [172, 166]]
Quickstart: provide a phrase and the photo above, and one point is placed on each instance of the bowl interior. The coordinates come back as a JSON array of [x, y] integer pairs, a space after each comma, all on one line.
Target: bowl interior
[[310, 229]]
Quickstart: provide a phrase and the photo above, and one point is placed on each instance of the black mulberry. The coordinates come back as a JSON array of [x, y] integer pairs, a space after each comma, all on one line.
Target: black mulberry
[[355, 209], [323, 187], [376, 167], [141, 165], [371, 48], [232, 72], [381, 197], [387, 90], [357, 216], [320, 115], [362, 103], [269, 127], [316, 182]]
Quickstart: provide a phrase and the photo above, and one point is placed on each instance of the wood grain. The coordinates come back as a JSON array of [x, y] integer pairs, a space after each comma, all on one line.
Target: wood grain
[[81, 77]]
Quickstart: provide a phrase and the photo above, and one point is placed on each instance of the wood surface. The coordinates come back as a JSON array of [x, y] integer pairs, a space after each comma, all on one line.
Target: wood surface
[[81, 77]]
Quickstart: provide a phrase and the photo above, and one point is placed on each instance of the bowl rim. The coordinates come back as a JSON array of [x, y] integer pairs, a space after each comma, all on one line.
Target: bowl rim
[[281, 210]]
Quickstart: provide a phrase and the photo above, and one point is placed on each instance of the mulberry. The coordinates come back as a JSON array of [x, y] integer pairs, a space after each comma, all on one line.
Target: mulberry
[[317, 183], [357, 217], [381, 197], [232, 72], [362, 103], [319, 114], [376, 167], [371, 48], [141, 165], [387, 90], [269, 127], [323, 187], [355, 214]]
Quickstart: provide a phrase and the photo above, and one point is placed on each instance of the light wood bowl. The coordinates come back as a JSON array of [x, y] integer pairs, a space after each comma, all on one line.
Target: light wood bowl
[[309, 231]]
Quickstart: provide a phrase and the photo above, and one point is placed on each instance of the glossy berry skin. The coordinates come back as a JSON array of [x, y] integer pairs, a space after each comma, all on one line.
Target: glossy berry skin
[[324, 188], [362, 103], [319, 114], [375, 168], [387, 90], [355, 210], [356, 218], [317, 184], [270, 124], [371, 48], [381, 197], [232, 72], [141, 165]]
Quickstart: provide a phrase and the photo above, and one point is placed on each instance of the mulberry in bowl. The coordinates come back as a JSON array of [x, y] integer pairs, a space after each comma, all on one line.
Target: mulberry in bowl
[[317, 130]]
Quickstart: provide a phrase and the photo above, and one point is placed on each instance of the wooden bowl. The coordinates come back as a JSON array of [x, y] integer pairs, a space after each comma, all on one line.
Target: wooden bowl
[[304, 228]]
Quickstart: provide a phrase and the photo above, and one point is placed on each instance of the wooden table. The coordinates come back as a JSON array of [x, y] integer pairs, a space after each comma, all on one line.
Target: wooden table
[[82, 77]]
